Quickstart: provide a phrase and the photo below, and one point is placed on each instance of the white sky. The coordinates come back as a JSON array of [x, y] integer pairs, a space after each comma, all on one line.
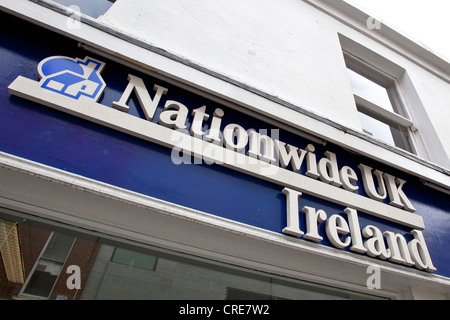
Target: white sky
[[424, 21]]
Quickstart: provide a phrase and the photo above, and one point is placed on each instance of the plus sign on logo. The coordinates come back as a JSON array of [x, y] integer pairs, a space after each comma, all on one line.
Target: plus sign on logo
[[72, 77]]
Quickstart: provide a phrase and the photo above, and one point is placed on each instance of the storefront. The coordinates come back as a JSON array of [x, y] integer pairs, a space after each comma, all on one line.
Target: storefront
[[118, 182]]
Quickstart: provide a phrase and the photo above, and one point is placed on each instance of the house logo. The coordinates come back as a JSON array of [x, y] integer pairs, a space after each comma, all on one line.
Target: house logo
[[73, 78]]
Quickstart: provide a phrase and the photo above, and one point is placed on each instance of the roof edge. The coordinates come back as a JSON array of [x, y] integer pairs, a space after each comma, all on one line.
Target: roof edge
[[386, 35]]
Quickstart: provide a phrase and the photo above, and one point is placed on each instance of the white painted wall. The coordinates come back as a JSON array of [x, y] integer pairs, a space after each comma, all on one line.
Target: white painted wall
[[285, 48]]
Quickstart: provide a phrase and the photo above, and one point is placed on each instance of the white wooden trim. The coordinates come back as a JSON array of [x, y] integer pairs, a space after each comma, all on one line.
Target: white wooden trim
[[390, 117]]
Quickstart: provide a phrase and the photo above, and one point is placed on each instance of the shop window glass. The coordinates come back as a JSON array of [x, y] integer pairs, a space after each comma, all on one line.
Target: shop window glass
[[134, 259], [376, 128], [112, 268], [49, 266]]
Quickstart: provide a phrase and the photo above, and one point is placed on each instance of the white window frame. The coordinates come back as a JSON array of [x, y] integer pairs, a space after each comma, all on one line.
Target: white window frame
[[401, 115]]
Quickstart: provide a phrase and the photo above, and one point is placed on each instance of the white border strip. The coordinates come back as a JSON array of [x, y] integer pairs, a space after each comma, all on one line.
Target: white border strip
[[103, 115]]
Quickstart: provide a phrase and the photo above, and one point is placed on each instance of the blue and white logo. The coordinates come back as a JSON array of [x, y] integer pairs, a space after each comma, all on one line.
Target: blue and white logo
[[72, 77]]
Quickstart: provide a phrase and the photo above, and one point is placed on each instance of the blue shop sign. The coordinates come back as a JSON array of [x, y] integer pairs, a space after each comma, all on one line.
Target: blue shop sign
[[96, 118]]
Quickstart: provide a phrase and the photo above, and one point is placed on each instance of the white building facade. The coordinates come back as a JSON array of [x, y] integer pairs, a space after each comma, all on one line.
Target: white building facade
[[197, 149]]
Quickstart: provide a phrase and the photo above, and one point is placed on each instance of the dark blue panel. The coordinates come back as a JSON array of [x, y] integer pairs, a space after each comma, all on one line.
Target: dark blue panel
[[56, 139]]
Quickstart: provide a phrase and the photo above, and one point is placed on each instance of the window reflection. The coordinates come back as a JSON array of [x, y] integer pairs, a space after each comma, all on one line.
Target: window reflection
[[49, 266], [370, 90], [112, 269]]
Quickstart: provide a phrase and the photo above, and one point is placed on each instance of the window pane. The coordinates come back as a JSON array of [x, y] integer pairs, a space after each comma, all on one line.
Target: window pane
[[49, 266], [370, 91], [400, 137], [108, 272], [376, 128], [43, 278], [93, 8], [134, 259], [176, 277], [58, 247]]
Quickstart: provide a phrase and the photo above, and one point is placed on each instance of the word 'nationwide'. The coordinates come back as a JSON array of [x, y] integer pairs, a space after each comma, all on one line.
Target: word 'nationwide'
[[377, 184]]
